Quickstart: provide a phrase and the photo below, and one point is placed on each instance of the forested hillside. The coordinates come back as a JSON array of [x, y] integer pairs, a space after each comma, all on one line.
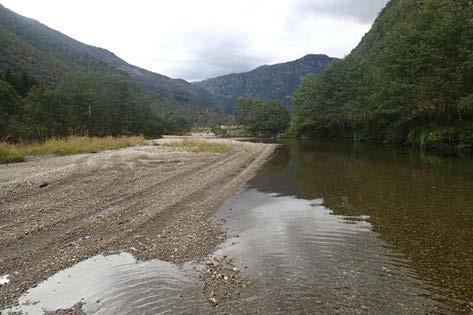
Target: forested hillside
[[269, 83], [82, 104], [54, 86], [47, 56], [410, 80]]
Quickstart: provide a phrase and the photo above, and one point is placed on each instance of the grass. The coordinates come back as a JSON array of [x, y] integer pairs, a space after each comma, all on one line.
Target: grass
[[201, 146], [10, 154], [69, 146]]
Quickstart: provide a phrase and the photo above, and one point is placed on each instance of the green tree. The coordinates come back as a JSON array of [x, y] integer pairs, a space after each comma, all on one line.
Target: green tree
[[411, 74], [242, 109], [45, 115], [176, 125], [262, 118], [10, 111]]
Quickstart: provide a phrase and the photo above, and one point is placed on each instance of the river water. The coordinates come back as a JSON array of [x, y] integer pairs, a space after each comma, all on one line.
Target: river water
[[345, 227], [324, 227]]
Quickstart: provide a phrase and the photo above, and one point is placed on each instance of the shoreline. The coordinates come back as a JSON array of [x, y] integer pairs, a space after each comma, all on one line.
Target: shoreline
[[154, 202]]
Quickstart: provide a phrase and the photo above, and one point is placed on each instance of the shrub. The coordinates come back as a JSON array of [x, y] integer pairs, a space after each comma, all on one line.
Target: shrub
[[466, 138], [439, 137]]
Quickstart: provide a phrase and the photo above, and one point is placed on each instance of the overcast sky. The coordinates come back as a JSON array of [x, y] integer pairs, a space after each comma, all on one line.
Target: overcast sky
[[198, 39]]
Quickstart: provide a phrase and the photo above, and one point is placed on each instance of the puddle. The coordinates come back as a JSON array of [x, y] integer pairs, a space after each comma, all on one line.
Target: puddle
[[4, 279], [116, 284]]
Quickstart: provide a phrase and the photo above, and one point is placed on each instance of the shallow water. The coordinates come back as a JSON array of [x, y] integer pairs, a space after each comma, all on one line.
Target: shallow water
[[337, 226], [116, 284], [324, 227]]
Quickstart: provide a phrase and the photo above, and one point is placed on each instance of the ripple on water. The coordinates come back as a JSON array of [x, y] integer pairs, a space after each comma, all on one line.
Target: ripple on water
[[303, 257]]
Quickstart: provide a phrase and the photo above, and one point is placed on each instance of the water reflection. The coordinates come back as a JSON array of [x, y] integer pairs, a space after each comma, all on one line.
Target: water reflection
[[324, 227], [116, 284], [419, 205]]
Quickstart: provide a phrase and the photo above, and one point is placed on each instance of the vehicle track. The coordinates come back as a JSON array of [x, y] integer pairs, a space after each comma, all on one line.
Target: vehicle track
[[153, 201]]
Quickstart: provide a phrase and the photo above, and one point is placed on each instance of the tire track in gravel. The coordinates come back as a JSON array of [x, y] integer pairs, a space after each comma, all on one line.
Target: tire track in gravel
[[163, 208], [71, 227]]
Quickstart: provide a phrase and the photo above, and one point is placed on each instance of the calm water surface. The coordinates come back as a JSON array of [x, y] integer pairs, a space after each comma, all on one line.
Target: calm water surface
[[324, 227], [337, 226]]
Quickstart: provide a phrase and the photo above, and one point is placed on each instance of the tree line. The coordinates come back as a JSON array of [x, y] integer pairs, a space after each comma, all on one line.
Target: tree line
[[85, 103], [409, 81], [262, 118]]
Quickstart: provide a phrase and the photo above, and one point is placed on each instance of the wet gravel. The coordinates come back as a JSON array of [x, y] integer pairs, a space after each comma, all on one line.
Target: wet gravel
[[152, 201]]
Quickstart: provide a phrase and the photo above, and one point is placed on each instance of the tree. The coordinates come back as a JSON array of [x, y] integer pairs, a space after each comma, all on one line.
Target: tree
[[22, 84], [243, 107], [176, 125], [413, 72], [45, 115], [102, 105], [9, 99], [262, 118], [10, 111]]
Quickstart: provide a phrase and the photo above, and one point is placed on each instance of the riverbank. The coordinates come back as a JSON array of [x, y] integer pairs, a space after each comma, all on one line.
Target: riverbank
[[153, 201], [10, 153]]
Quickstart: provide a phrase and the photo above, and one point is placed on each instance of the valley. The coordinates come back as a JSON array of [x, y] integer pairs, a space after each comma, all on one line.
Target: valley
[[298, 157]]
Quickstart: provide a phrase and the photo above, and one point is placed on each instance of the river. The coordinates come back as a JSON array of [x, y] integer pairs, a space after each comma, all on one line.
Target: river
[[343, 226], [324, 227]]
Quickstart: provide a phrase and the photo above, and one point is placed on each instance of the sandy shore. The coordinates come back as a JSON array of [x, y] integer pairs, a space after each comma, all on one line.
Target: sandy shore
[[152, 201]]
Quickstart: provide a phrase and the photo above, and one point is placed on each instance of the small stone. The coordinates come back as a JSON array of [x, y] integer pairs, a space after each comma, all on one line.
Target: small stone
[[43, 185], [213, 301]]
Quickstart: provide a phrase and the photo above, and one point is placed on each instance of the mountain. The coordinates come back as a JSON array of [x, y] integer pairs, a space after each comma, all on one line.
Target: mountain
[[275, 82], [48, 55], [410, 80]]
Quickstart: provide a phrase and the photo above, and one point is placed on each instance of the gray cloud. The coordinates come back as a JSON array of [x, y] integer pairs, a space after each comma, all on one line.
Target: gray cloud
[[195, 40], [217, 53], [363, 11], [217, 63], [221, 52]]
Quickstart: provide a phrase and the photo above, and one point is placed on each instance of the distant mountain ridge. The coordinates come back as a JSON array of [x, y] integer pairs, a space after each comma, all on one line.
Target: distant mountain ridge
[[267, 82], [47, 55]]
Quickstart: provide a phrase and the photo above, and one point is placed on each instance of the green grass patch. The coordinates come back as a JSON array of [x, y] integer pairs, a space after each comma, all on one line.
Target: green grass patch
[[10, 154], [69, 146], [201, 146]]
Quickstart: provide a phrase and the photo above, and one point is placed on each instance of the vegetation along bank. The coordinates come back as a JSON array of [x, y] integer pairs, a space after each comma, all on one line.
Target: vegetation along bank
[[409, 81]]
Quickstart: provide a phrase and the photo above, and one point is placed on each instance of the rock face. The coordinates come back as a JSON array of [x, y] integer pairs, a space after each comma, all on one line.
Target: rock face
[[275, 82], [47, 55]]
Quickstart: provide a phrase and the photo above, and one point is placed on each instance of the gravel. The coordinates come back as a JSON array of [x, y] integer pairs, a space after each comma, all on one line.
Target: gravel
[[152, 201]]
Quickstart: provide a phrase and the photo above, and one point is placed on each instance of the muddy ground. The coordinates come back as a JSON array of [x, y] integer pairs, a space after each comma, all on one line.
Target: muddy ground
[[152, 201]]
